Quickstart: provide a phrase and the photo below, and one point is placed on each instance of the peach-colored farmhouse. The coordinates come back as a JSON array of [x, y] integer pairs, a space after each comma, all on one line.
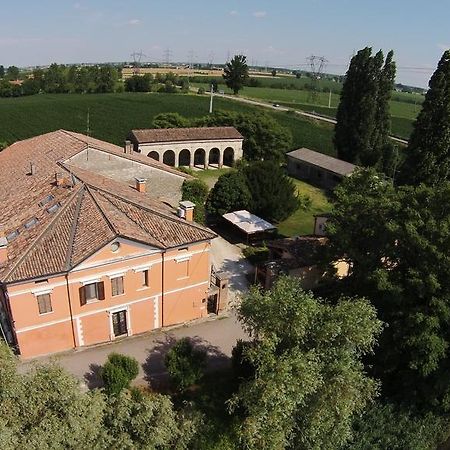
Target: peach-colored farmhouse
[[86, 258]]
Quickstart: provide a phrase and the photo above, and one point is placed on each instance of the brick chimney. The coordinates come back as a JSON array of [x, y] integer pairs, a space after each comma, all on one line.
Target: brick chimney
[[61, 179], [186, 210], [128, 148], [141, 184], [3, 248]]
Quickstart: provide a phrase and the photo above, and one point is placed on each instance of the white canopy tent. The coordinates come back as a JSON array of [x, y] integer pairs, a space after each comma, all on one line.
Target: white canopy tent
[[248, 223]]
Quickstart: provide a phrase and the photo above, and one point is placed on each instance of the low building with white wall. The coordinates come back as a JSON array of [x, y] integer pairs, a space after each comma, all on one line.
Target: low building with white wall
[[199, 147]]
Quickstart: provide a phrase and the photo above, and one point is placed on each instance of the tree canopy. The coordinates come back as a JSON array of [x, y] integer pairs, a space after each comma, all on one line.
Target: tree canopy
[[428, 153], [397, 242], [230, 193], [236, 73], [363, 119], [308, 380]]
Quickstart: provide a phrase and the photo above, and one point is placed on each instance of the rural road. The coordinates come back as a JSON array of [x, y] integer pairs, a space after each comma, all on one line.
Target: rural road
[[283, 108]]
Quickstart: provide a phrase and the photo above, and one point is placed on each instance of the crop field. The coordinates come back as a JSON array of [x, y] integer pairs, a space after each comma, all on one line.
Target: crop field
[[112, 116], [404, 107]]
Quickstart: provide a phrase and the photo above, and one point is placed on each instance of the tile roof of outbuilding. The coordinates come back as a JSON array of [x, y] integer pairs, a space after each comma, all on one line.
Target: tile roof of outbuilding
[[155, 135], [89, 210], [323, 161]]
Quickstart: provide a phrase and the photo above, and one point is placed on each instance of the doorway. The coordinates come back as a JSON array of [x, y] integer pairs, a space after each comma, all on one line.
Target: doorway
[[119, 320]]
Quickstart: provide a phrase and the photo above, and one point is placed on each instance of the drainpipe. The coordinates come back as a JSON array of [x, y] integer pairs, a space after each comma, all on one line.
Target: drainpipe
[[70, 309], [162, 288]]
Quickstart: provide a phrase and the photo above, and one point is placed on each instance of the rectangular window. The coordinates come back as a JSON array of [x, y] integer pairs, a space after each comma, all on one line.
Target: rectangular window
[[145, 281], [44, 303], [182, 269], [92, 292], [117, 286]]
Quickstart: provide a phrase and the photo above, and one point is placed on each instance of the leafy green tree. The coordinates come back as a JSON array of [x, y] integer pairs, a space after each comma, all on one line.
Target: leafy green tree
[[170, 120], [264, 137], [118, 372], [236, 73], [5, 88], [54, 79], [30, 87], [196, 191], [106, 79], [397, 244], [273, 195], [136, 420], [274, 73], [2, 71], [12, 73], [363, 121], [230, 193], [309, 380], [386, 426], [185, 364], [428, 153]]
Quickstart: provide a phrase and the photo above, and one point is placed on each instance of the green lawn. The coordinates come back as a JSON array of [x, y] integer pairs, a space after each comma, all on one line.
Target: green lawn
[[301, 221], [210, 176], [112, 116]]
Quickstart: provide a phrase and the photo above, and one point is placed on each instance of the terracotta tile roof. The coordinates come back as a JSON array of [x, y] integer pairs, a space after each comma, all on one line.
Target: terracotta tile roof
[[70, 222], [323, 161], [155, 135]]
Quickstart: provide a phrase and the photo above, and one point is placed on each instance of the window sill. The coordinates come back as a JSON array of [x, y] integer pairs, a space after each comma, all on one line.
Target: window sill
[[143, 288], [95, 300], [45, 314], [118, 295]]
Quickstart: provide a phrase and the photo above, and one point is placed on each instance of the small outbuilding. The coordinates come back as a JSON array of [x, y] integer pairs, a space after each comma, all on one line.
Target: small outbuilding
[[318, 169], [253, 227]]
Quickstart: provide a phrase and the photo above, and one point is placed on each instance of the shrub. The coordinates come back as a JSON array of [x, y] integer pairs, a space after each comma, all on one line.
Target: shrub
[[196, 191], [201, 90], [256, 255], [242, 367], [185, 364], [118, 372]]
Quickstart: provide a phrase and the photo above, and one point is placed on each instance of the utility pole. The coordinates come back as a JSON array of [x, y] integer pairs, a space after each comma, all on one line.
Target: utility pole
[[88, 124], [211, 100], [329, 100]]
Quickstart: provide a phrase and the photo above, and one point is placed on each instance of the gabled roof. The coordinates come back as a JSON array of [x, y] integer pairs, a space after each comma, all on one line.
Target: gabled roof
[[326, 162], [70, 222], [156, 135]]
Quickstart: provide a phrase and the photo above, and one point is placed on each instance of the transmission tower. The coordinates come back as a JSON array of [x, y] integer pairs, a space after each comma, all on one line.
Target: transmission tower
[[167, 55], [137, 58], [317, 66]]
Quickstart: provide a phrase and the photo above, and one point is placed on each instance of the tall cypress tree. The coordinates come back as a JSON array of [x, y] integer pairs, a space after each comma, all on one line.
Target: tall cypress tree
[[428, 154], [363, 120]]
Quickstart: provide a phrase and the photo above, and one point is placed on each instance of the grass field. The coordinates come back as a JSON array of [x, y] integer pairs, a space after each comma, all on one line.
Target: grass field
[[112, 116], [404, 107], [302, 222]]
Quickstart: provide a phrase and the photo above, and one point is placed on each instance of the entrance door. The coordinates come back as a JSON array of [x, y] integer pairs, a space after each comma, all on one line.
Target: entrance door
[[119, 320]]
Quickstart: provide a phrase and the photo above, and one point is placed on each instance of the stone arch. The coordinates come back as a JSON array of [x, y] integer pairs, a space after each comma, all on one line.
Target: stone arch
[[169, 158], [228, 156], [154, 155], [184, 158], [214, 156], [200, 157]]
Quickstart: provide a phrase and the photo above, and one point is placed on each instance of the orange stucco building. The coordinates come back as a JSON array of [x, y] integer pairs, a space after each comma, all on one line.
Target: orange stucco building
[[85, 258]]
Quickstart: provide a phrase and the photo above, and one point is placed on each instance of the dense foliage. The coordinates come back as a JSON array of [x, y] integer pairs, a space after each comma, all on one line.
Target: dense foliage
[[118, 372], [230, 193], [397, 242], [235, 73], [363, 119], [196, 191], [273, 194], [185, 364], [309, 380], [428, 153]]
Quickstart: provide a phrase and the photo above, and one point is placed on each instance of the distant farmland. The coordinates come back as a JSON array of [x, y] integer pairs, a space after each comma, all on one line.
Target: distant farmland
[[112, 116], [404, 107]]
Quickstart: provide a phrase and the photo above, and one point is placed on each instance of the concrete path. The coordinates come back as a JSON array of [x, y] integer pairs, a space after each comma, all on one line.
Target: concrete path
[[216, 334]]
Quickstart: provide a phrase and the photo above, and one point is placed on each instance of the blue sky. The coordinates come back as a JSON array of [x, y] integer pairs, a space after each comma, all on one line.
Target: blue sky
[[282, 32]]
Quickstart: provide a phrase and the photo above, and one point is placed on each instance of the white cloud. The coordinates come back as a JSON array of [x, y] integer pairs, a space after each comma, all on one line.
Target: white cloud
[[259, 14], [234, 13], [134, 22]]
